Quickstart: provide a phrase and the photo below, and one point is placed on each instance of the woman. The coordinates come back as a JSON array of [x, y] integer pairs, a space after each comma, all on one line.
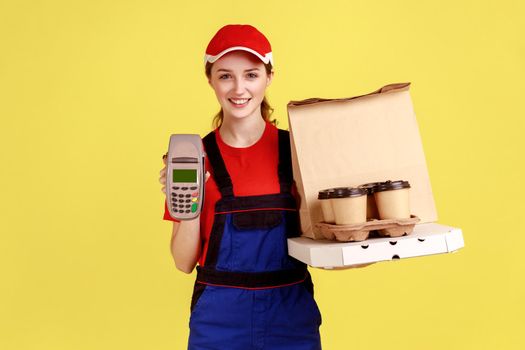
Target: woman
[[249, 293]]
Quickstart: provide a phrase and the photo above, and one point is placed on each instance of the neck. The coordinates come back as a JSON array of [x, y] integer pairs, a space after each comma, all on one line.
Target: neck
[[242, 132]]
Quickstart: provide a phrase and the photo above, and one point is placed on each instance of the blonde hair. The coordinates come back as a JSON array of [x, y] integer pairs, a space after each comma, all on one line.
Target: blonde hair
[[266, 109]]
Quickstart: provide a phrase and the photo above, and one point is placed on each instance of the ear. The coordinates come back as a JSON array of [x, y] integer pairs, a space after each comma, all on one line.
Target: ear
[[209, 77], [269, 78]]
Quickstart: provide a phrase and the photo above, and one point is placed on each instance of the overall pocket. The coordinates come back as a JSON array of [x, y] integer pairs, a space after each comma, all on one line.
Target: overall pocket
[[258, 240], [198, 290], [309, 288]]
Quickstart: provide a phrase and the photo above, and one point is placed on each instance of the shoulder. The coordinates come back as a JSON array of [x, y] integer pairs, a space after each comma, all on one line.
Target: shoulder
[[278, 137], [210, 134], [273, 127], [282, 134]]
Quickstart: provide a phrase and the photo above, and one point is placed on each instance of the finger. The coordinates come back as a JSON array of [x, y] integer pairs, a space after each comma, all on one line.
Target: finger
[[206, 176], [164, 157], [363, 265]]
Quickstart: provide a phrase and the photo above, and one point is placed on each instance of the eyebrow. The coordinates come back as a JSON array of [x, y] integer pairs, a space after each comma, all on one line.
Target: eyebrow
[[227, 70]]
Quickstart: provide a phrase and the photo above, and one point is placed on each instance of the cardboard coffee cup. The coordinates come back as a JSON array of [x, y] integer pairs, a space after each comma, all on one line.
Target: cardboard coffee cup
[[392, 199], [326, 205], [349, 205], [371, 206]]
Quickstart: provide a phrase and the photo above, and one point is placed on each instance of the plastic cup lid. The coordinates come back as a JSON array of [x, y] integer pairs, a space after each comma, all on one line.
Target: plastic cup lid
[[392, 185], [346, 192], [369, 187], [325, 194]]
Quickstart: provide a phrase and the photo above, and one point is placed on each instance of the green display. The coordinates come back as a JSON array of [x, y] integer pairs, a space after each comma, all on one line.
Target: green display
[[184, 175]]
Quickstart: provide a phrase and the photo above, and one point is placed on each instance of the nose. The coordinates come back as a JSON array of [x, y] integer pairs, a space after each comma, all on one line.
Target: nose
[[239, 86]]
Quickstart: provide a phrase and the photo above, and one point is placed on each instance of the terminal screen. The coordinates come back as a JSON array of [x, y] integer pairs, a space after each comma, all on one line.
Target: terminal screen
[[184, 175]]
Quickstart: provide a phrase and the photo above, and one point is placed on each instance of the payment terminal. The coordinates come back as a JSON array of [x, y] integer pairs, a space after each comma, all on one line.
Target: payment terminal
[[185, 176]]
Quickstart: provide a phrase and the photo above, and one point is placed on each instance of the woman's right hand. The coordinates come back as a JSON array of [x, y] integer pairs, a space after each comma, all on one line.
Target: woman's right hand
[[162, 178]]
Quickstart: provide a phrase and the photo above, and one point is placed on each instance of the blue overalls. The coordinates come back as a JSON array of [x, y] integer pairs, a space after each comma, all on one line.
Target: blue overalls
[[250, 294]]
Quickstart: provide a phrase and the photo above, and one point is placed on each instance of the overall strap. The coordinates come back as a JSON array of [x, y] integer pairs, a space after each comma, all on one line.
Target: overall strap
[[221, 175], [285, 161]]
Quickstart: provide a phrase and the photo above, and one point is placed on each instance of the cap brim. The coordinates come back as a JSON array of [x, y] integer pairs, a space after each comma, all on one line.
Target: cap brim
[[266, 59]]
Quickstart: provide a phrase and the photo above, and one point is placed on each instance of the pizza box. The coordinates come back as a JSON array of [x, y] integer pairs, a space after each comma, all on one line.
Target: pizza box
[[426, 239]]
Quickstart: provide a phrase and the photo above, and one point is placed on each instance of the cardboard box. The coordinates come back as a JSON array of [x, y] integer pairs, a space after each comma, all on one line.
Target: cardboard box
[[356, 140], [426, 239]]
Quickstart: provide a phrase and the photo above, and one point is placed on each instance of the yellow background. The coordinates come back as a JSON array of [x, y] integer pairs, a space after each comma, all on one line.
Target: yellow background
[[91, 90]]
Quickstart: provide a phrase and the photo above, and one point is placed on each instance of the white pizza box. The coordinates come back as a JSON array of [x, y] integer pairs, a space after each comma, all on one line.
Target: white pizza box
[[426, 239]]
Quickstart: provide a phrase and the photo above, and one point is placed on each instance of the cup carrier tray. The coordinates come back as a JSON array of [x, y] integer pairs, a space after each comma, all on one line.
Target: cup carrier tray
[[362, 231]]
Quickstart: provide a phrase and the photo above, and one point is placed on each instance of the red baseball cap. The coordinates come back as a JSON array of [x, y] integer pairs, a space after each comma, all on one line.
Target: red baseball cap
[[234, 37]]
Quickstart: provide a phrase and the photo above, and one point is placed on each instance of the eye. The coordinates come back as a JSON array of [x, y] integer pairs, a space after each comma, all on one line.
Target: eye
[[252, 75], [224, 76]]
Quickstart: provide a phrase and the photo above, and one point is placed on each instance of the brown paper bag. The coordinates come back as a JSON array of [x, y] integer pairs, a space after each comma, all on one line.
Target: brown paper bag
[[356, 140]]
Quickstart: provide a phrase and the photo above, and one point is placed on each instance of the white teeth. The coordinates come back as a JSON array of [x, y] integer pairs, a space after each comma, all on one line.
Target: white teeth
[[239, 102]]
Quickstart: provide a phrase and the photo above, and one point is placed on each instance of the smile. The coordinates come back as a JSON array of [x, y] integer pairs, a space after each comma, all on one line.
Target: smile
[[241, 102]]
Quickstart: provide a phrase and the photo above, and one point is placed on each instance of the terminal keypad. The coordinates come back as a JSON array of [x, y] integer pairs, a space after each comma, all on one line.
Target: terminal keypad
[[185, 199]]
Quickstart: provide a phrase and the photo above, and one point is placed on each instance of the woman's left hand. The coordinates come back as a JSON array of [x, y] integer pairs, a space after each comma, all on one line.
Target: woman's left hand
[[358, 266]]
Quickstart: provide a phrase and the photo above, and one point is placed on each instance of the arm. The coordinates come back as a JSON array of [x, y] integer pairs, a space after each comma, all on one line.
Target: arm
[[186, 244], [350, 267], [185, 235]]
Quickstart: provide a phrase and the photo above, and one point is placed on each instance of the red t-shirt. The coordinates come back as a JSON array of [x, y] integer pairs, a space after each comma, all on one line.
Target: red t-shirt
[[253, 171]]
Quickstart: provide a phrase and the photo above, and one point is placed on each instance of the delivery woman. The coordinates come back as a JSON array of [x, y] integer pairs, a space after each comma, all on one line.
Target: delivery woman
[[249, 293]]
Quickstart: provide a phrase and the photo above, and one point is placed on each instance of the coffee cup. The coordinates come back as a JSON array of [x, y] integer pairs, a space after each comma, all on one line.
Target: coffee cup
[[326, 205], [349, 205], [371, 206], [392, 199]]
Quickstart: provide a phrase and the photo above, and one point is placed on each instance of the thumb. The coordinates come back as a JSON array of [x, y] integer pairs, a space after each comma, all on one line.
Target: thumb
[[206, 176]]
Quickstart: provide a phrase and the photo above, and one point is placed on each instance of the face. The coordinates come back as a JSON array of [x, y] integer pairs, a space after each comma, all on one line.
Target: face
[[239, 80]]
